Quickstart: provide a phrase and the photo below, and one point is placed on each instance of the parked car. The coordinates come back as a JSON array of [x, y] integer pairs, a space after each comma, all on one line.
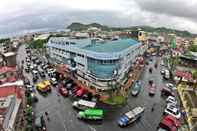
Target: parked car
[[83, 104], [27, 69], [166, 74], [170, 85], [172, 100], [166, 91], [162, 63], [30, 88], [136, 89], [173, 111], [35, 73], [130, 116], [42, 74], [53, 81], [63, 91], [91, 114], [162, 71], [34, 79], [80, 92], [169, 123], [26, 81], [40, 123]]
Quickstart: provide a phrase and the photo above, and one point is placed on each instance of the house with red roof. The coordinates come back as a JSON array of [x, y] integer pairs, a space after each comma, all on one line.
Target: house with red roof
[[8, 74]]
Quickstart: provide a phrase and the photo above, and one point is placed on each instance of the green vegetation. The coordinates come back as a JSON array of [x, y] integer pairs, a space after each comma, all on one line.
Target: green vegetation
[[79, 27], [194, 74], [193, 48], [116, 100], [174, 61], [37, 44], [4, 40]]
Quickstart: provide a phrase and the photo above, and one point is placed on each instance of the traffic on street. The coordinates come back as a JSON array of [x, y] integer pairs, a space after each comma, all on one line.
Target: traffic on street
[[58, 108]]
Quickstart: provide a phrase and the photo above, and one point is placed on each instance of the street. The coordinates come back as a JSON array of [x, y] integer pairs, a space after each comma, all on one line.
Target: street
[[63, 116]]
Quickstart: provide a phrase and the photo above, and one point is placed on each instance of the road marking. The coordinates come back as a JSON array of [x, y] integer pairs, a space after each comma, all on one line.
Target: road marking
[[91, 128]]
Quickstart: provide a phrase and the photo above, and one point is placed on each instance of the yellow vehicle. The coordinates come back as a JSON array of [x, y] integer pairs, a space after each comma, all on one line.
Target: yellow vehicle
[[44, 86]]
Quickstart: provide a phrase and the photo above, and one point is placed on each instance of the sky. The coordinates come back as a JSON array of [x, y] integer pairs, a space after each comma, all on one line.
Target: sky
[[24, 15]]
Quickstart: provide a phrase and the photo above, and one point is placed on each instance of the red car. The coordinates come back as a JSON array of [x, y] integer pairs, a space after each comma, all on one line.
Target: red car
[[81, 92], [63, 91], [169, 123], [167, 91], [152, 89]]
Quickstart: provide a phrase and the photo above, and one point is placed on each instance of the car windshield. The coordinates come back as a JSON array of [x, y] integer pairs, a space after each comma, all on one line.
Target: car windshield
[[170, 111]]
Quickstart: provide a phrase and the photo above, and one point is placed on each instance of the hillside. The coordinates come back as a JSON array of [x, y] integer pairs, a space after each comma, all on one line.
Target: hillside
[[79, 27]]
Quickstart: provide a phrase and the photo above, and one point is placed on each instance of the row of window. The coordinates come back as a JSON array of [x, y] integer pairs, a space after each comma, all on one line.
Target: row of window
[[63, 42]]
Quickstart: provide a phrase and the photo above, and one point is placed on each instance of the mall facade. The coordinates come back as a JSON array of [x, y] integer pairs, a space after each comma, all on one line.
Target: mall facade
[[97, 63]]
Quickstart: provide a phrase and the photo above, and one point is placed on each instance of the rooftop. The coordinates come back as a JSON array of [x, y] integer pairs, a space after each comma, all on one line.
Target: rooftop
[[11, 90], [97, 46], [5, 69], [111, 46], [9, 54]]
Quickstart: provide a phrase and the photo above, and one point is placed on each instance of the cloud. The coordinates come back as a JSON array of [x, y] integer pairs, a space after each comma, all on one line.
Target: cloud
[[178, 8], [33, 14]]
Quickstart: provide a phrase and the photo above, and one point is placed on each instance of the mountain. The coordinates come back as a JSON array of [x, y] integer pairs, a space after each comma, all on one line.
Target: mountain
[[79, 27]]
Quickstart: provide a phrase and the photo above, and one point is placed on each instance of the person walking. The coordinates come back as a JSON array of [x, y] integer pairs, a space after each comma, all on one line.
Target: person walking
[[153, 107]]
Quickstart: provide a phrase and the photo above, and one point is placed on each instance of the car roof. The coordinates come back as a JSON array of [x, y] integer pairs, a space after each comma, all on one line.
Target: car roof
[[171, 97], [170, 120], [172, 108]]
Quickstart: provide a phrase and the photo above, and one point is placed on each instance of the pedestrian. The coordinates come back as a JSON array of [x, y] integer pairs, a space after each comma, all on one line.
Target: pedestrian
[[46, 113], [153, 107]]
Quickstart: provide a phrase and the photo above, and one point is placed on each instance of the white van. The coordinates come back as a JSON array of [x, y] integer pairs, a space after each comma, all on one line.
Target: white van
[[83, 104]]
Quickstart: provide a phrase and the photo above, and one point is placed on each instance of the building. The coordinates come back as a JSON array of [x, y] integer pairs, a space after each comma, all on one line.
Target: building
[[7, 74], [10, 58], [42, 37], [9, 107], [96, 63]]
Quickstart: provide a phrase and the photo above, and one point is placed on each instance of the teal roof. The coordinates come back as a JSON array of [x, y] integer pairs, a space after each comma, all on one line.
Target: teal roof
[[111, 46]]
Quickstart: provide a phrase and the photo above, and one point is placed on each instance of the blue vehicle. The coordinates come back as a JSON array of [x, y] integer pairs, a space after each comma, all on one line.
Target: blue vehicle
[[136, 89], [130, 116]]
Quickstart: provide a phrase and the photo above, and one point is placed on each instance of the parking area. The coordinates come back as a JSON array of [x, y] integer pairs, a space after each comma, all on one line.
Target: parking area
[[63, 117]]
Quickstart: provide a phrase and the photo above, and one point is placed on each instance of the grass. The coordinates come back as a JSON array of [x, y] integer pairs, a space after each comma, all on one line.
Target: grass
[[116, 100]]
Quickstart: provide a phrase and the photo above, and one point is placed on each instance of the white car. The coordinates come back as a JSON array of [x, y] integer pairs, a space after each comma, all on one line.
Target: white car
[[171, 100], [162, 63], [170, 85], [162, 71], [54, 81], [173, 111]]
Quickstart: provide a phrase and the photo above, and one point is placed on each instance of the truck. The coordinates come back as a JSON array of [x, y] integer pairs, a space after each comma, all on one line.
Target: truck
[[130, 116], [83, 104], [91, 114]]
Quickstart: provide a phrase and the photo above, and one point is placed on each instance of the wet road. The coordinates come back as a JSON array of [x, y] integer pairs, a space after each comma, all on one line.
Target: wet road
[[63, 116]]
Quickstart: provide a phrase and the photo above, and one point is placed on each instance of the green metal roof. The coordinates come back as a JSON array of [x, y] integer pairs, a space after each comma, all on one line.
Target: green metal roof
[[111, 46]]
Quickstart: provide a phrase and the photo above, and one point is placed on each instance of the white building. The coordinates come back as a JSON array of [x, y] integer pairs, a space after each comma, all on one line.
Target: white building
[[97, 63]]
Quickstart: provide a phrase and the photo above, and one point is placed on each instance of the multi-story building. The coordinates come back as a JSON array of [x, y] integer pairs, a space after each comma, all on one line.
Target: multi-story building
[[9, 107], [96, 62]]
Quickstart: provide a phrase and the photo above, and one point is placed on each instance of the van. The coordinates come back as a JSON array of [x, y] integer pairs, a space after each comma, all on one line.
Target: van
[[83, 104]]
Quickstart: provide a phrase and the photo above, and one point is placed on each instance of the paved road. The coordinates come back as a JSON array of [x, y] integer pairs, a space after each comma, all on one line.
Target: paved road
[[63, 117]]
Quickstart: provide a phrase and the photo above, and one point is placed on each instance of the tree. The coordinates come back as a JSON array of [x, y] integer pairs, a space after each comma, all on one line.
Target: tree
[[194, 74], [193, 48]]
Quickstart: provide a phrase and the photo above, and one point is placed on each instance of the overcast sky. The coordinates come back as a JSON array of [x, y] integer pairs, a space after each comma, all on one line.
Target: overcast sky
[[18, 15]]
